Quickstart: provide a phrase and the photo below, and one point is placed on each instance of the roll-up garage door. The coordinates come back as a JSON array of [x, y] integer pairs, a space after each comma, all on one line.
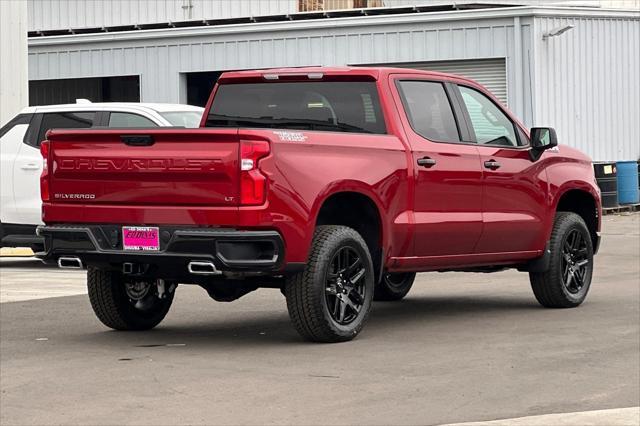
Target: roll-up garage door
[[491, 73]]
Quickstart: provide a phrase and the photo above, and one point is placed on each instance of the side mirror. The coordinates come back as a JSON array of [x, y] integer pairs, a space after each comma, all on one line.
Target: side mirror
[[542, 138]]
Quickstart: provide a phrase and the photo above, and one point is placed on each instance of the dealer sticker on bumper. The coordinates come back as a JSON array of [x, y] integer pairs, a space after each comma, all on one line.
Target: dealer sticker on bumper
[[141, 238]]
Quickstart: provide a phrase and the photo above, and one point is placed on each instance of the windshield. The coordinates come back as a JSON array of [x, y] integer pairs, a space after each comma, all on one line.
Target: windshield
[[329, 106], [183, 118]]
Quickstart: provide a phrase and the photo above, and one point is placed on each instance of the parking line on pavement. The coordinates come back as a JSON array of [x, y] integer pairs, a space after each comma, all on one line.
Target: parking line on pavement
[[612, 417]]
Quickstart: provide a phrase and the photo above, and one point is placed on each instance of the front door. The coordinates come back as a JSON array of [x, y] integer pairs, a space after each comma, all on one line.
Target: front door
[[515, 188], [448, 177]]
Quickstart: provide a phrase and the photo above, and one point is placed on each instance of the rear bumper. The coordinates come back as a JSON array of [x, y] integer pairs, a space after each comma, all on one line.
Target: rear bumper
[[229, 250], [19, 235]]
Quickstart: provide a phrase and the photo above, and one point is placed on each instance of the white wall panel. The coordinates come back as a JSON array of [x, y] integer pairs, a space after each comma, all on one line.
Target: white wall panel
[[64, 14], [14, 87], [587, 84]]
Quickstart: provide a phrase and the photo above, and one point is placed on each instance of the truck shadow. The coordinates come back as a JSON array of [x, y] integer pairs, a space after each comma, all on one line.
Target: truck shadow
[[422, 315]]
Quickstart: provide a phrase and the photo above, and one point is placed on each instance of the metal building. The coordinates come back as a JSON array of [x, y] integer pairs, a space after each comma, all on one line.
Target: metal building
[[572, 68], [13, 62]]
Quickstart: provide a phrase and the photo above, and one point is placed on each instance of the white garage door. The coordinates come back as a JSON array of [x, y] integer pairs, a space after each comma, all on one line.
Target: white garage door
[[491, 73]]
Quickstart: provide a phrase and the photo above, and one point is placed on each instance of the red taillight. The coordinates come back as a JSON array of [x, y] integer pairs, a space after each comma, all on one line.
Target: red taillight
[[44, 177], [253, 184]]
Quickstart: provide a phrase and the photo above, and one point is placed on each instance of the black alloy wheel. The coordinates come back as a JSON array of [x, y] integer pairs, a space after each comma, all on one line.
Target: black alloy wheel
[[566, 281], [575, 261], [345, 289], [331, 299]]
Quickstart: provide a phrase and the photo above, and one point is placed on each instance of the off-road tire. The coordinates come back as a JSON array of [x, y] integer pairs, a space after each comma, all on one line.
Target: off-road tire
[[394, 287], [549, 287], [111, 304], [305, 291]]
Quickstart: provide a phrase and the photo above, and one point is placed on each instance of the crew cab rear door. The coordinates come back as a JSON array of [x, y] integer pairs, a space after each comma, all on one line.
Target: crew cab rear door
[[514, 187], [28, 166], [448, 178], [11, 140]]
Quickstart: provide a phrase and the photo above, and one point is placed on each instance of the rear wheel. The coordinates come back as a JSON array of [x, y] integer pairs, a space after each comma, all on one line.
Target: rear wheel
[[566, 283], [330, 300], [394, 286], [128, 304]]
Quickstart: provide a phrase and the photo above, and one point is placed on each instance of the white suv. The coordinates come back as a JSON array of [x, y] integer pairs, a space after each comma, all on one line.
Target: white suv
[[21, 163]]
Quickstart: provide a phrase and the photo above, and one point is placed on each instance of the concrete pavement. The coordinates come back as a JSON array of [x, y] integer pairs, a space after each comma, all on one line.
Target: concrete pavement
[[460, 348]]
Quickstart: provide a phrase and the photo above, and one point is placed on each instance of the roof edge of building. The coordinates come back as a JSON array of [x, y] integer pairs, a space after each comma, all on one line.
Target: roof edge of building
[[257, 27]]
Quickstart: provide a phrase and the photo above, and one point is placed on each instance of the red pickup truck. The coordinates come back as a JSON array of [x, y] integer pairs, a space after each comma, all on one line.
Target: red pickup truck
[[334, 185]]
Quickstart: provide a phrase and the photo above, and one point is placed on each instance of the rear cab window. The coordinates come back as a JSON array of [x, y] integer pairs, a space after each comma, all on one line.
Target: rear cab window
[[127, 119], [16, 121], [188, 119], [64, 120], [352, 107]]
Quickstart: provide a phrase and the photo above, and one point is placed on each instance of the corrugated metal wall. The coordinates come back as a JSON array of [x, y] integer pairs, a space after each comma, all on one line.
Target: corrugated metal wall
[[587, 84], [63, 14], [402, 38], [13, 58]]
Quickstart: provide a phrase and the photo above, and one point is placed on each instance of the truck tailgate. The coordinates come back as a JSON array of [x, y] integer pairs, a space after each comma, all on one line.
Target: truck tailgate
[[145, 167]]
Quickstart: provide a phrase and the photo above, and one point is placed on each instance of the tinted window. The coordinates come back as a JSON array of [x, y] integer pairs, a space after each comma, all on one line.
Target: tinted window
[[18, 119], [183, 118], [330, 106], [125, 119], [429, 110], [490, 124], [522, 137], [65, 120]]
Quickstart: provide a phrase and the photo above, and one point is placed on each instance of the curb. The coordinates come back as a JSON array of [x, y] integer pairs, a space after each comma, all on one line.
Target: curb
[[15, 252]]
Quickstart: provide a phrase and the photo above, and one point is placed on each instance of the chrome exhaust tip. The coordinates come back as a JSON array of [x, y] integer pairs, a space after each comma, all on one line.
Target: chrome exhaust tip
[[69, 262], [202, 268]]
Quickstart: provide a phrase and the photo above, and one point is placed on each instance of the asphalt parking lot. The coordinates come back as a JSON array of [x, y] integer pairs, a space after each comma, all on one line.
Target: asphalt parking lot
[[460, 347]]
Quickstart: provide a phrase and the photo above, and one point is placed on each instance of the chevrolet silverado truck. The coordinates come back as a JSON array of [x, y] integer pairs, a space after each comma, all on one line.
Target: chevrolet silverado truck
[[334, 185]]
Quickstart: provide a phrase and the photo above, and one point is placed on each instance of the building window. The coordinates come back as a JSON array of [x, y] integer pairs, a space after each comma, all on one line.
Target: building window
[[315, 5]]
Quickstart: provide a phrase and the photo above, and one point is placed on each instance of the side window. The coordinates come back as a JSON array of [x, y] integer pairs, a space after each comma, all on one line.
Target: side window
[[523, 139], [429, 110], [17, 120], [490, 124], [65, 120], [125, 119]]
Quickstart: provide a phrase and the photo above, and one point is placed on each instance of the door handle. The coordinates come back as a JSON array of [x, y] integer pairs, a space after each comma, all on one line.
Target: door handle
[[426, 162], [30, 166], [137, 140], [491, 164]]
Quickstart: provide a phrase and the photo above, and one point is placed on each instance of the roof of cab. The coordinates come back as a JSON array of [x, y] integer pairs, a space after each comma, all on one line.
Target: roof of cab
[[374, 73], [105, 106]]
